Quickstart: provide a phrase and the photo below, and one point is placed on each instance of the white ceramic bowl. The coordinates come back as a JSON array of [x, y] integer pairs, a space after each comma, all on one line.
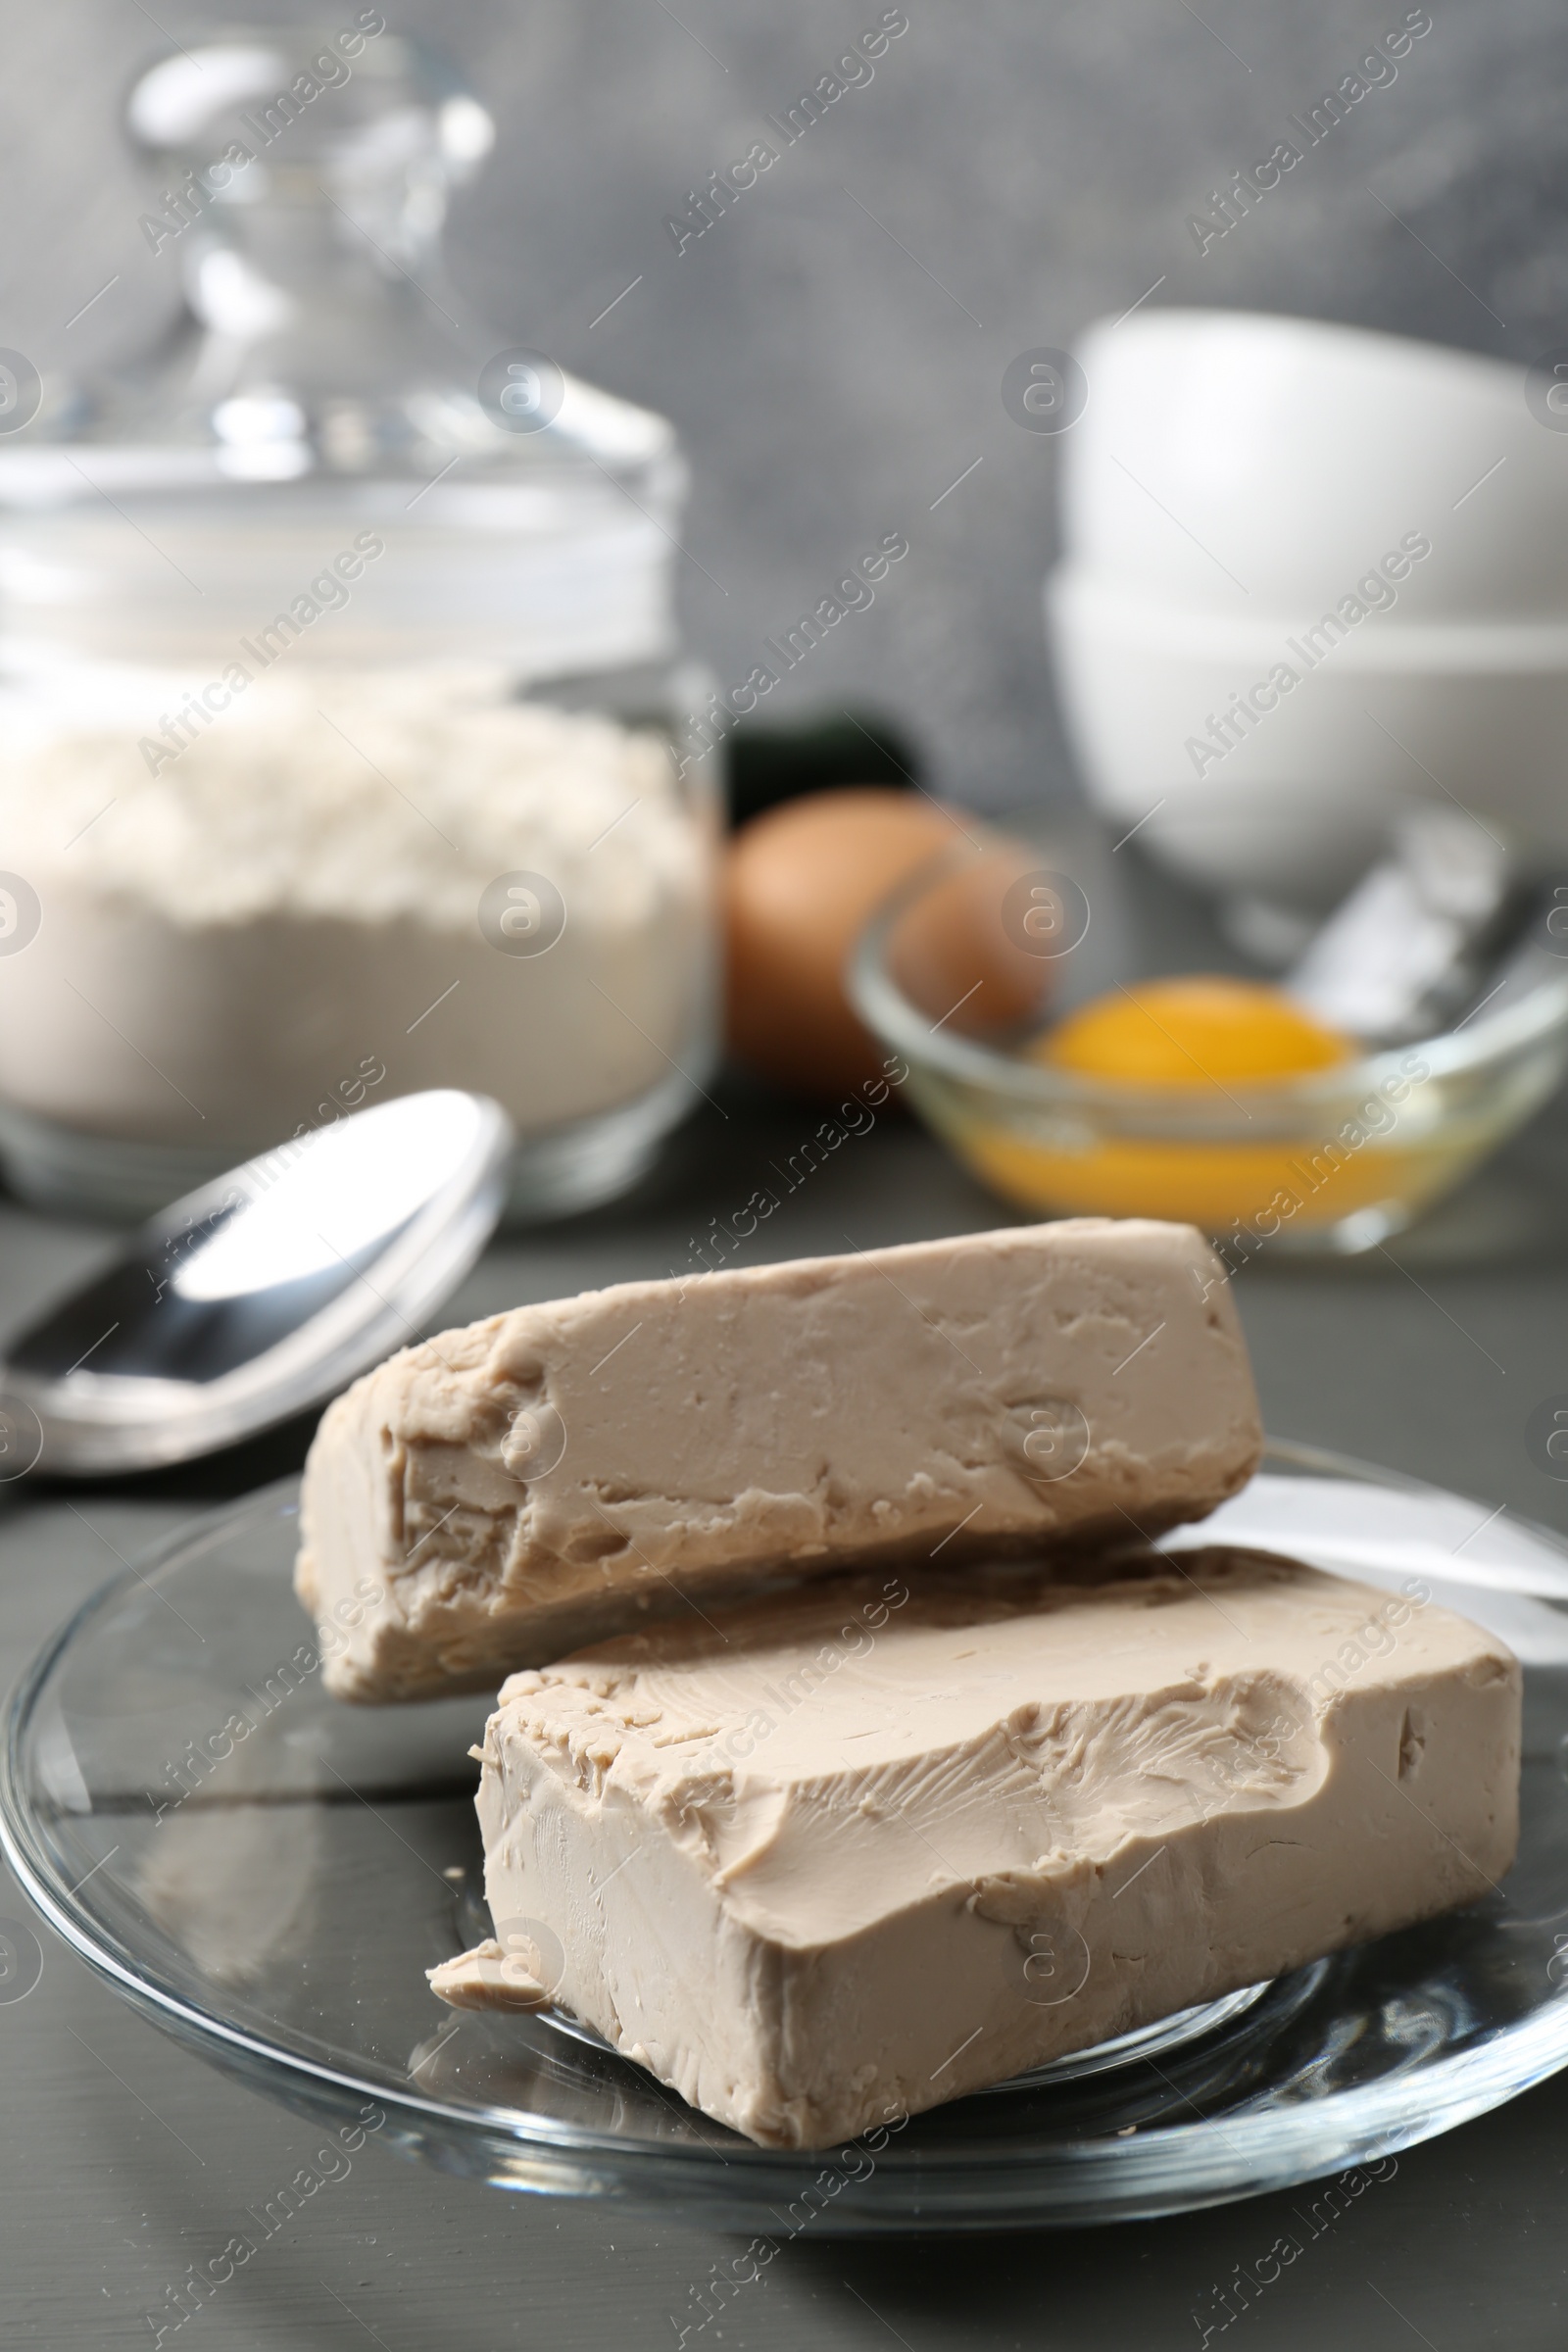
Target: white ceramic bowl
[[1297, 800], [1255, 464]]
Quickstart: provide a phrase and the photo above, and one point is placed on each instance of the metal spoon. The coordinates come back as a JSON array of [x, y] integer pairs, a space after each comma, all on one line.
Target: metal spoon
[[263, 1292]]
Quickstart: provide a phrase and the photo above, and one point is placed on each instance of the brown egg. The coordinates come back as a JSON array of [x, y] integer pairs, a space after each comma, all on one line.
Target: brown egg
[[801, 883], [959, 953]]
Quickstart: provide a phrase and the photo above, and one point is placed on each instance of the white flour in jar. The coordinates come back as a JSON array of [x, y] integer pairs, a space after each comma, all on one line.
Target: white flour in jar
[[295, 899]]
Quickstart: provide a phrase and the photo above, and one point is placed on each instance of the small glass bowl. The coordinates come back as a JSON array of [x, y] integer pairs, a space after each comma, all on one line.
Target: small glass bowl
[[1331, 1163]]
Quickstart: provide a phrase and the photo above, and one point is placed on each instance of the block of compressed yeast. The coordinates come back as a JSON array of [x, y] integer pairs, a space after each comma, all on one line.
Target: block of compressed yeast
[[515, 1489], [852, 1850]]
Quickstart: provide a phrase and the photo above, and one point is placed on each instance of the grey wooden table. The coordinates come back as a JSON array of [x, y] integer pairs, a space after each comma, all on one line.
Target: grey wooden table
[[124, 2161]]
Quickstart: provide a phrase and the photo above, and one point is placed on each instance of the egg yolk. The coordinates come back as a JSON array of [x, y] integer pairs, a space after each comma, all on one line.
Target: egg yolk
[[1191, 1033], [1189, 1036]]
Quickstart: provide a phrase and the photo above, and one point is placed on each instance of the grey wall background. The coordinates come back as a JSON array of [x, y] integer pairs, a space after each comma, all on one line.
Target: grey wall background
[[1031, 166]]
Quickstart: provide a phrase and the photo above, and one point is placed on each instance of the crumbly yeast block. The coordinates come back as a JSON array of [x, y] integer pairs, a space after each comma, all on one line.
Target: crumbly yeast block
[[852, 1851], [513, 1490]]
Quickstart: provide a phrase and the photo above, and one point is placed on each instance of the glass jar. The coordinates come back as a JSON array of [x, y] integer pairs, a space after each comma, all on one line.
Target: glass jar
[[340, 694]]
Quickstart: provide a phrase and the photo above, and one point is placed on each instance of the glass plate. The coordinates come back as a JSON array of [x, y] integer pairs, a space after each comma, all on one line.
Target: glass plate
[[273, 1895]]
